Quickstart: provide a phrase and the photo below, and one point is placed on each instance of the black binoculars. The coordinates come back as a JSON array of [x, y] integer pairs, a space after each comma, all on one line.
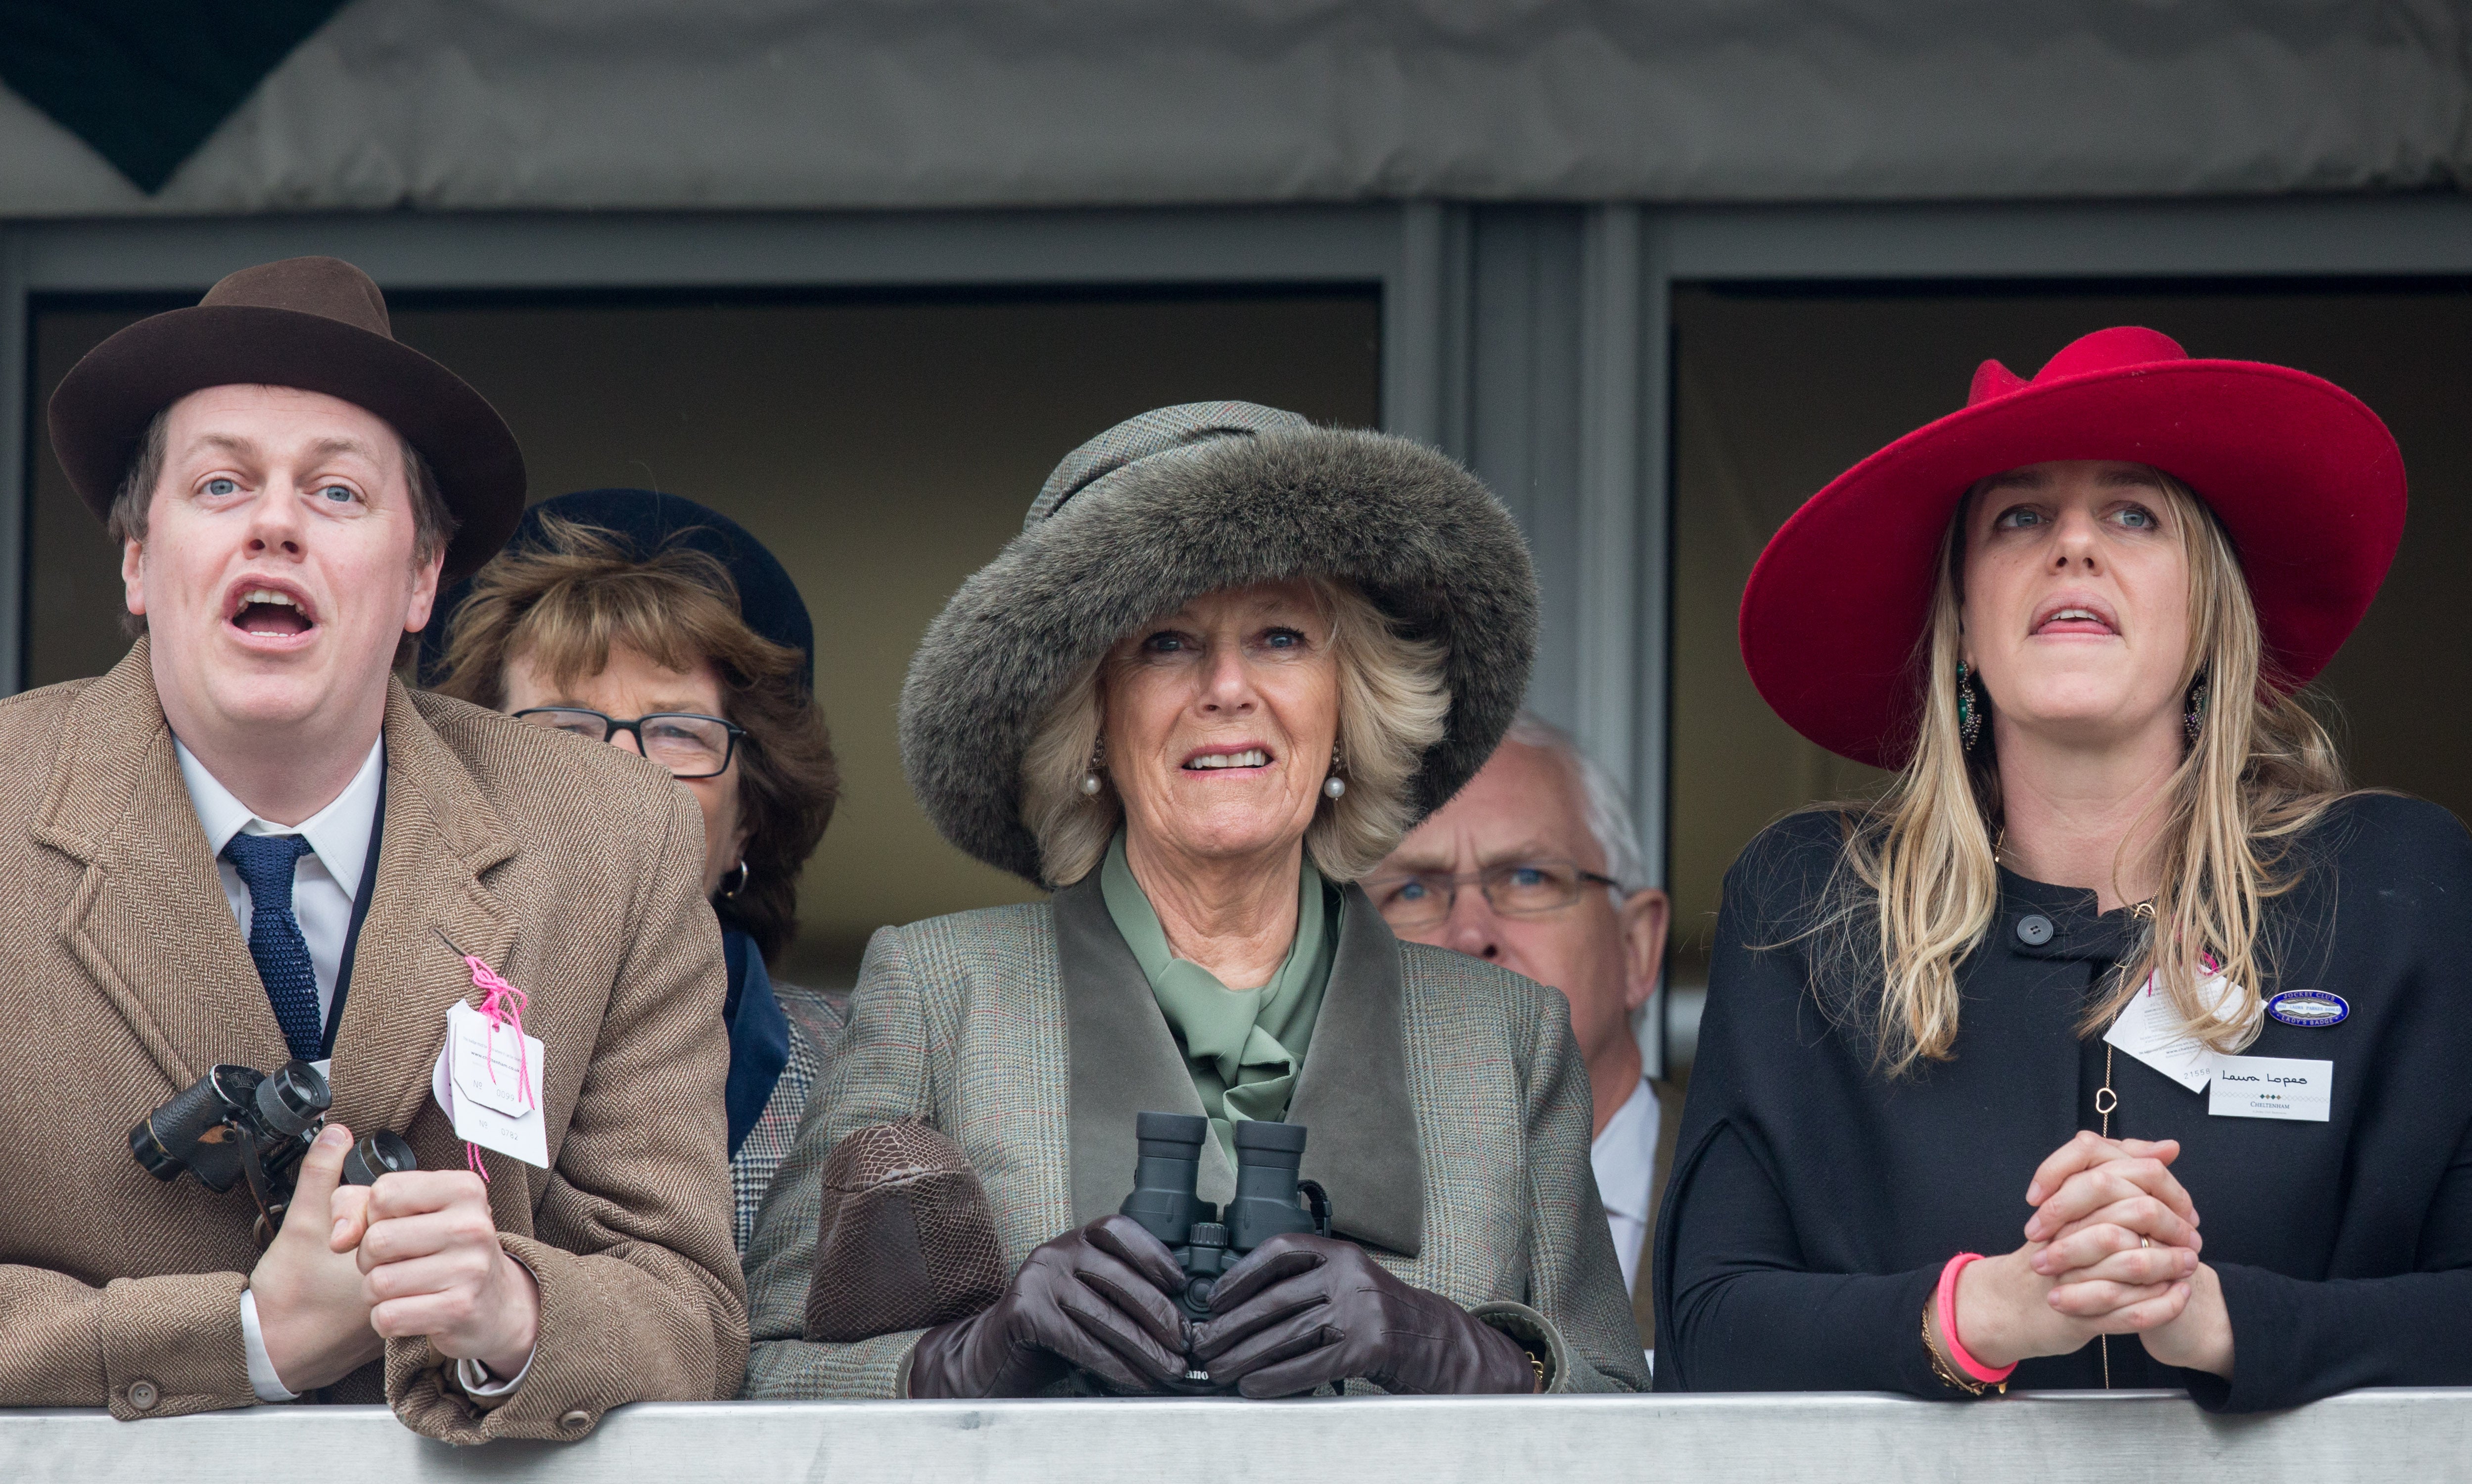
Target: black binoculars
[[1203, 1241], [238, 1123]]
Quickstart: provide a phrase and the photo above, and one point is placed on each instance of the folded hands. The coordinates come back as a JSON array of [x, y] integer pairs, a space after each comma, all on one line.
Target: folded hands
[[2112, 1248]]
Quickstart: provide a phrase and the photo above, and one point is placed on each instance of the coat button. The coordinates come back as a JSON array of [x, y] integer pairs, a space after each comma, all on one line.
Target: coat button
[[143, 1395], [2034, 929], [577, 1418]]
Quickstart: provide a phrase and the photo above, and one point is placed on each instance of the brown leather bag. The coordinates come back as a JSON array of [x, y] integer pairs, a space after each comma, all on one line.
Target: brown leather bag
[[906, 1238]]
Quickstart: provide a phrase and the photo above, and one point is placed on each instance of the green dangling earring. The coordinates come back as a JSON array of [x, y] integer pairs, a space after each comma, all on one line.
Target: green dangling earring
[[1969, 709]]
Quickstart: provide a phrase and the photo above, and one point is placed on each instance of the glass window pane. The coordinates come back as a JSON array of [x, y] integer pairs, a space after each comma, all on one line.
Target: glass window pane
[[884, 447]]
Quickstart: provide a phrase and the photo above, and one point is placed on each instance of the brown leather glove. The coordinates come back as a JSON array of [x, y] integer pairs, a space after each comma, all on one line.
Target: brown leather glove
[[1098, 1298], [1302, 1311]]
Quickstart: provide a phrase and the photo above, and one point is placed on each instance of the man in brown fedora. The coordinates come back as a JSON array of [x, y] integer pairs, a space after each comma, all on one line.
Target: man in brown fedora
[[250, 843]]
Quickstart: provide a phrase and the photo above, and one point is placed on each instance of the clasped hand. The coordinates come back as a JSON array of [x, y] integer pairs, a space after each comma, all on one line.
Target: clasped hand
[[416, 1254], [1297, 1312], [2112, 1248]]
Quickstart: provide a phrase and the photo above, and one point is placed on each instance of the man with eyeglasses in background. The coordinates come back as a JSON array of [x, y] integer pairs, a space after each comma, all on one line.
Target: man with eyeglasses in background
[[1535, 866]]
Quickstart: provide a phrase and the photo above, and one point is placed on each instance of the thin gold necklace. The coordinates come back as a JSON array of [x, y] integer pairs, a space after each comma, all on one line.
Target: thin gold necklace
[[2105, 1101], [2105, 1098]]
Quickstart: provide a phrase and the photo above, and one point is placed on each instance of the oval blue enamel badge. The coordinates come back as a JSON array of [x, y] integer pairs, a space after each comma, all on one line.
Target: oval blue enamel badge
[[2308, 1007]]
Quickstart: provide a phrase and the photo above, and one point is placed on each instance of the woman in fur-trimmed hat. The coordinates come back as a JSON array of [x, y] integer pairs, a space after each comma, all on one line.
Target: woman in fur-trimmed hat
[[1229, 661]]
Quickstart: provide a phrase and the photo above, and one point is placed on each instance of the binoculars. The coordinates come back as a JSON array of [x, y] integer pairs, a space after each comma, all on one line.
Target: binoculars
[[1204, 1241], [238, 1123]]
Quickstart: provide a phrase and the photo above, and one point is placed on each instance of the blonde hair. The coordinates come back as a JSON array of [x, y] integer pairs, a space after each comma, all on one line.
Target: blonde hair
[[1917, 868], [1393, 705]]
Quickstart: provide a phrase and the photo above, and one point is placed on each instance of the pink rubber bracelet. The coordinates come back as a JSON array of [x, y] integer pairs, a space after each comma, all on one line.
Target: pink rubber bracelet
[[1948, 1324]]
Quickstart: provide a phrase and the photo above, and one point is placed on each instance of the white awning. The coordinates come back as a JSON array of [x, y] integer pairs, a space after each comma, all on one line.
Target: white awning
[[774, 104]]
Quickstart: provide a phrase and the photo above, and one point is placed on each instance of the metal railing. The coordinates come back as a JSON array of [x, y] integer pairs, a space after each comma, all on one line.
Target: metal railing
[[2050, 1437]]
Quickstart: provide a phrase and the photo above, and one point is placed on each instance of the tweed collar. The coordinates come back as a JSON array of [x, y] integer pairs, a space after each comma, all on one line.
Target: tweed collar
[[1351, 1093], [151, 925]]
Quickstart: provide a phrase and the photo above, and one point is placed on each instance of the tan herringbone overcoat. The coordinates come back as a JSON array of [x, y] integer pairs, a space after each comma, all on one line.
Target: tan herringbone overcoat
[[570, 869], [1446, 1104]]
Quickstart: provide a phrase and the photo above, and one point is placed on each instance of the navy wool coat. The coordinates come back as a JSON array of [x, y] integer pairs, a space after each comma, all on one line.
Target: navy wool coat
[[1815, 1198]]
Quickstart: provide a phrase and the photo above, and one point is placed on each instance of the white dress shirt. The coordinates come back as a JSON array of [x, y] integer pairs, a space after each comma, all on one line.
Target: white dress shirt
[[325, 885], [1625, 1160]]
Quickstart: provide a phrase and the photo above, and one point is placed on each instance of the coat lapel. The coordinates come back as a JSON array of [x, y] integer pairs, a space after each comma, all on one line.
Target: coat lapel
[[1124, 1059], [149, 920], [150, 923], [1352, 1092], [440, 840]]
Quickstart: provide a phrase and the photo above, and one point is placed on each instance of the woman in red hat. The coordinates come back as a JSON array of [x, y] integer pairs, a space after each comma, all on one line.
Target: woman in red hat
[[2113, 1044]]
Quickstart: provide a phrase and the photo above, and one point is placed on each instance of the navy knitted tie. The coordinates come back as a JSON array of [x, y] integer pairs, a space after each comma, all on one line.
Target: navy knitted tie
[[266, 862]]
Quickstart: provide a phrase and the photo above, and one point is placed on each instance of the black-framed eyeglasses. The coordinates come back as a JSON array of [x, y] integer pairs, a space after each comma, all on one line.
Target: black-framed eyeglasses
[[1514, 888], [688, 744]]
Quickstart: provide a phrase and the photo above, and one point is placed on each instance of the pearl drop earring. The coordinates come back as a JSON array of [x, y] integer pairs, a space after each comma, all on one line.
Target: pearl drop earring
[[1090, 774], [1334, 786], [1091, 785]]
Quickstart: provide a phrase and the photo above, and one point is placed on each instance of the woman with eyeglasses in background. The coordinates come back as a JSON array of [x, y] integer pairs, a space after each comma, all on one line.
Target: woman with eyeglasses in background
[[652, 624]]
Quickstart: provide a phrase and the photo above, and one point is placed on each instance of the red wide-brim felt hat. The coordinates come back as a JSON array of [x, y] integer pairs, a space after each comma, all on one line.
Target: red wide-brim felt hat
[[319, 325], [2305, 479]]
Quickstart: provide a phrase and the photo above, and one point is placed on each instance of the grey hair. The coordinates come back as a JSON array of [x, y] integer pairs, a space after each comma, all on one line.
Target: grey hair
[[1609, 817], [1609, 820], [1394, 704]]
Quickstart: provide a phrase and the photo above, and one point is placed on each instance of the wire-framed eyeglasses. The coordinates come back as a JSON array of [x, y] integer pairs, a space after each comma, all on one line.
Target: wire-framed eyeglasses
[[1514, 888], [688, 744]]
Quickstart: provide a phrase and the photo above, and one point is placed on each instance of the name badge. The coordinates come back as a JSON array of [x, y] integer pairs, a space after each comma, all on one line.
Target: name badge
[[488, 1083], [2272, 1087]]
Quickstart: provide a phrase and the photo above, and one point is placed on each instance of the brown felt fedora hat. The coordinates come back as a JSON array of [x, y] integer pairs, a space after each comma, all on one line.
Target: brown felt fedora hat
[[314, 323]]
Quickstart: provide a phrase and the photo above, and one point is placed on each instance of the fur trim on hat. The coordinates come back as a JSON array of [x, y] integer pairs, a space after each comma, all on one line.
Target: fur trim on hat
[[1423, 538]]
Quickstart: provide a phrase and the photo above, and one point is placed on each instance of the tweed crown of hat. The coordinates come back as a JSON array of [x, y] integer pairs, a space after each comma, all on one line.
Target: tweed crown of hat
[[2305, 480], [1188, 500], [314, 323], [1152, 433]]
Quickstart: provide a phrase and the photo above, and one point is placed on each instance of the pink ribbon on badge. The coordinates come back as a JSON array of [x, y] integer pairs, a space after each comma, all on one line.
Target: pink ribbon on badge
[[2154, 981], [503, 1003]]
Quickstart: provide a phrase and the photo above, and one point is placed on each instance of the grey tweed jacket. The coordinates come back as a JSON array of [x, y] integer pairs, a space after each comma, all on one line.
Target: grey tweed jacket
[[1447, 1102]]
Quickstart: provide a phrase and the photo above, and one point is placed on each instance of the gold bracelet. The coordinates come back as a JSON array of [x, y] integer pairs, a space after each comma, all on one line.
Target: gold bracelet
[[1946, 1369]]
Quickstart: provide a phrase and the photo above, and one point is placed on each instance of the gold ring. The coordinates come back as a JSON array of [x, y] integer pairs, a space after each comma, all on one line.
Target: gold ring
[[2145, 1241]]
